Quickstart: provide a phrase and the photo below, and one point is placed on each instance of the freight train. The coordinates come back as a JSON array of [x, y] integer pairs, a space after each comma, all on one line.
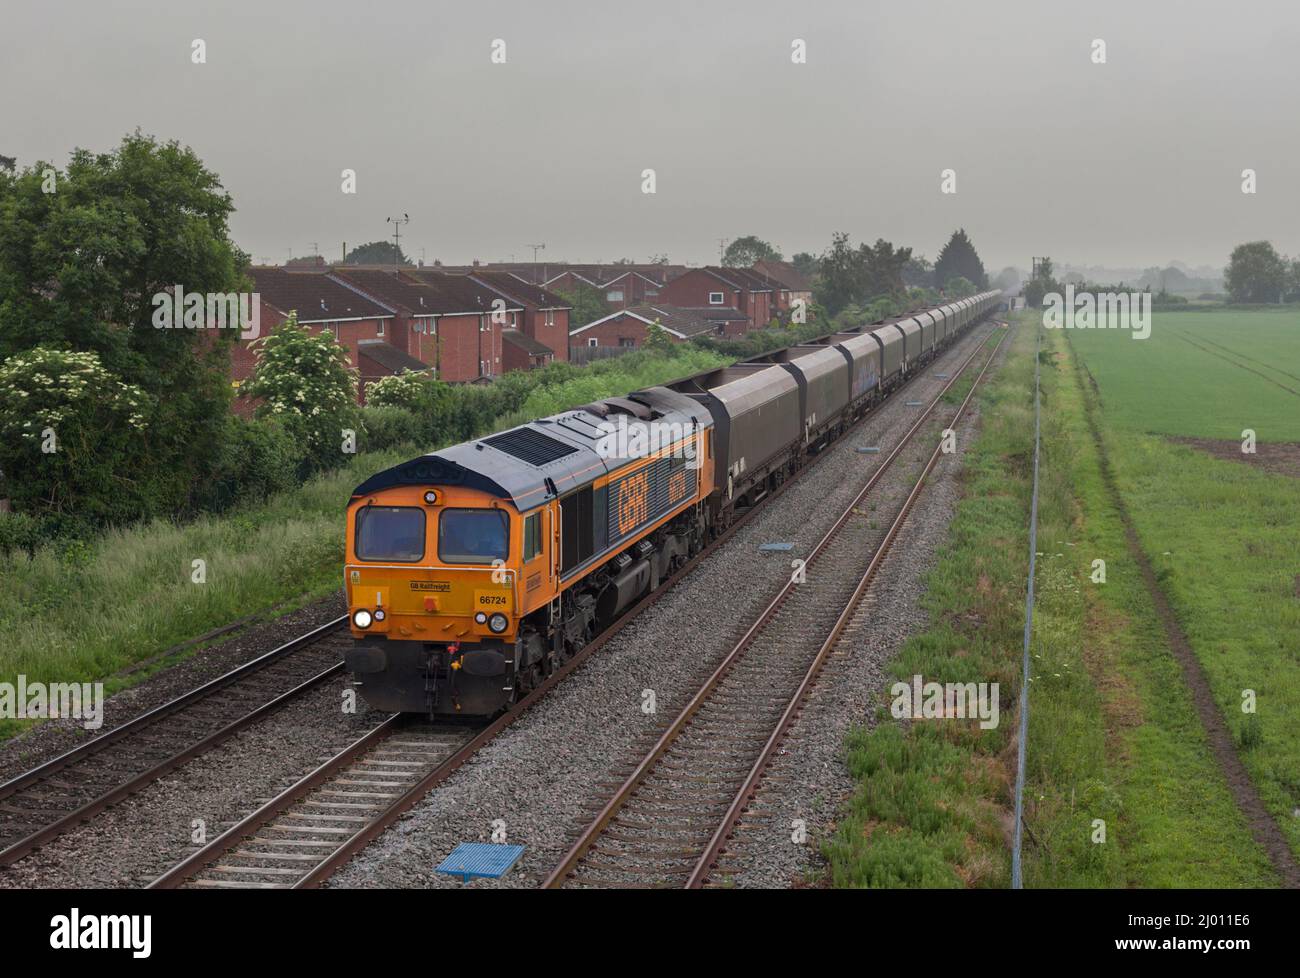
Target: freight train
[[475, 571]]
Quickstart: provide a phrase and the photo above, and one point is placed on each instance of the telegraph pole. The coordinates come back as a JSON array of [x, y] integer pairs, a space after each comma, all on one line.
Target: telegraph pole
[[397, 237], [722, 245]]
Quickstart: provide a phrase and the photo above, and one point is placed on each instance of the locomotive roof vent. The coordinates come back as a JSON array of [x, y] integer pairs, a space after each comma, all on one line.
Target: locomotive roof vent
[[530, 445]]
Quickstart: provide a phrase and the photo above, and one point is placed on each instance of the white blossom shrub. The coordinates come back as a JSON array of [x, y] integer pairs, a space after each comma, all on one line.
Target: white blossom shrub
[[307, 384]]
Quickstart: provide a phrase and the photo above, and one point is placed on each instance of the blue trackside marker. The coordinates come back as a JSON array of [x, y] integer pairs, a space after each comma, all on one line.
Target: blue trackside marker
[[913, 403], [474, 860], [942, 376], [770, 547], [868, 450]]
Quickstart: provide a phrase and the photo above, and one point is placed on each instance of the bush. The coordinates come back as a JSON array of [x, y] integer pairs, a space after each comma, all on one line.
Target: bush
[[74, 438], [257, 459], [388, 427], [20, 533], [307, 384]]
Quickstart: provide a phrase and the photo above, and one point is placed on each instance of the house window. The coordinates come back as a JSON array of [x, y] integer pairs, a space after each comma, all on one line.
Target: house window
[[626, 341], [593, 342], [716, 298], [379, 328], [550, 317], [651, 293], [614, 295]]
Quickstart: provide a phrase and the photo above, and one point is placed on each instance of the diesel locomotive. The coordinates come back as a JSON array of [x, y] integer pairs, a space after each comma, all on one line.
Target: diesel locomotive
[[475, 571]]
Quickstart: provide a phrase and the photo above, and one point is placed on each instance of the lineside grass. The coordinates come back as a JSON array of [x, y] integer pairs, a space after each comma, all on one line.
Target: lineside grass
[[1113, 736], [84, 612]]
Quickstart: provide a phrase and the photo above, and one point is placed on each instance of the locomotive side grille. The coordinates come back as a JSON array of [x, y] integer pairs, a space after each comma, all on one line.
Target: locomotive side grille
[[530, 445], [640, 498]]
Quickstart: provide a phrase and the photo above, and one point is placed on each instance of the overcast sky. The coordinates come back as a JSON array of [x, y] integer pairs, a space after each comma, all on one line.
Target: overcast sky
[[1134, 162]]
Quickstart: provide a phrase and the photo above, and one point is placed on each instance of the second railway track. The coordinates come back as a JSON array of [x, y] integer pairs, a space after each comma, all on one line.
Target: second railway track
[[670, 817]]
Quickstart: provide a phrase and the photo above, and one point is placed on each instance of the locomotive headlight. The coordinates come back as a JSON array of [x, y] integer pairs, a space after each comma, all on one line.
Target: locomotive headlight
[[362, 618], [480, 618], [380, 614], [430, 497], [498, 623]]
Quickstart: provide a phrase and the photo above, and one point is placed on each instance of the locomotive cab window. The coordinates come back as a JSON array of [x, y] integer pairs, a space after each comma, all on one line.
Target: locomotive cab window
[[390, 533], [532, 536], [472, 536]]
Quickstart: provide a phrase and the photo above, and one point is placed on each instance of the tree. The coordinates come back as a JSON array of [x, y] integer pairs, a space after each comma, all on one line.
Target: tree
[[658, 340], [376, 253], [588, 304], [959, 259], [883, 269], [1256, 273], [79, 270], [959, 288], [744, 251], [918, 272], [805, 264], [306, 382], [841, 275], [1008, 280]]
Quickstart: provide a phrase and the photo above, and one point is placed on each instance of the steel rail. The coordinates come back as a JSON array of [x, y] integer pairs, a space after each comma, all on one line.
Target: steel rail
[[339, 857], [746, 791], [83, 752], [607, 813]]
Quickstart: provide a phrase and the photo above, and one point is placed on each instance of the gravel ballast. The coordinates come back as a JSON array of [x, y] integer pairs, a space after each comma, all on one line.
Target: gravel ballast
[[539, 780]]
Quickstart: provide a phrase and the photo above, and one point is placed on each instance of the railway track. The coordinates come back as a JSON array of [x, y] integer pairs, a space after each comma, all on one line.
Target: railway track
[[298, 838], [301, 837], [70, 789], [669, 819]]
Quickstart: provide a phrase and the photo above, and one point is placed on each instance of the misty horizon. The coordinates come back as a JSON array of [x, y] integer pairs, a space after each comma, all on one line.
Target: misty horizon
[[1053, 154]]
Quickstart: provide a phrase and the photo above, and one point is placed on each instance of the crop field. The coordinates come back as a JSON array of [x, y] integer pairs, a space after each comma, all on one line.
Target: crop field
[[1206, 375], [1221, 531]]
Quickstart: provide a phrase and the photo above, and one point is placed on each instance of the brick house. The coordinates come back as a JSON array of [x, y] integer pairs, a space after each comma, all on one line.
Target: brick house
[[452, 322], [545, 316], [322, 305], [712, 286], [519, 351], [628, 328], [413, 312], [622, 290], [789, 282]]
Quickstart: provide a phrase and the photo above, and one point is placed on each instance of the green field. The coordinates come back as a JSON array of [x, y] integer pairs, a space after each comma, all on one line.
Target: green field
[[1223, 535], [1205, 374]]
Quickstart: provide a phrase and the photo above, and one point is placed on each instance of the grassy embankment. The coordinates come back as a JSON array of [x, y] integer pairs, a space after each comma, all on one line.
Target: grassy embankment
[[1113, 734], [87, 612]]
